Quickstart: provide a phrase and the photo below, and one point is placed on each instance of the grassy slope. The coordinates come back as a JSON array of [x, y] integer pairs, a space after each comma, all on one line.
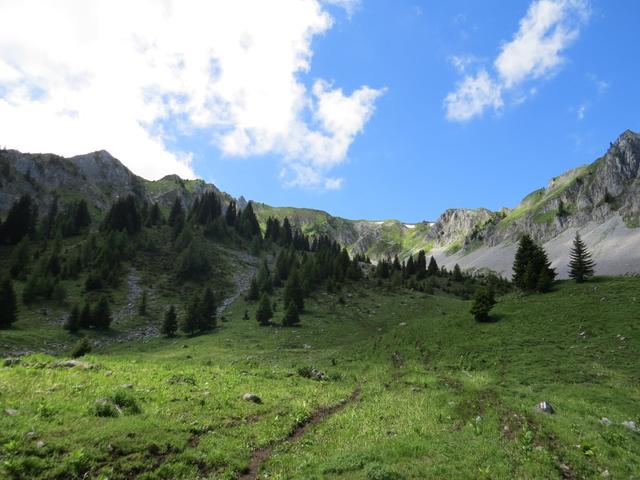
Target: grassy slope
[[441, 396]]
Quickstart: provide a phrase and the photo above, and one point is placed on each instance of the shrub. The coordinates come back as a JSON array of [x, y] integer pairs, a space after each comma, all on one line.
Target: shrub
[[82, 347]]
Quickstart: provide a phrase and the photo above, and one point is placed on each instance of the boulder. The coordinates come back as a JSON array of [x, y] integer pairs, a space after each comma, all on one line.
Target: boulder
[[605, 421], [252, 397], [546, 407]]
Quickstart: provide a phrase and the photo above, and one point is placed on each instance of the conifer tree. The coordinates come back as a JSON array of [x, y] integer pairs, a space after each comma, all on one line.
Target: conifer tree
[[81, 216], [21, 221], [124, 215], [531, 268], [155, 216], [286, 235], [86, 316], [264, 278], [249, 226], [581, 265], [421, 265], [101, 315], [264, 312], [254, 291], [170, 322], [191, 322], [72, 324], [8, 303], [432, 269], [208, 309], [231, 214], [19, 259], [293, 291], [483, 302], [176, 217], [457, 273], [291, 315]]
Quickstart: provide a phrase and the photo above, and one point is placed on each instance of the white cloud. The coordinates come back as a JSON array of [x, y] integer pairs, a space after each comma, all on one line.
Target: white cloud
[[535, 51], [582, 109], [126, 77], [472, 96]]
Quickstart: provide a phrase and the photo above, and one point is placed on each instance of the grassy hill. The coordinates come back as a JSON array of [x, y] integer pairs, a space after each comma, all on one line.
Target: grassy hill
[[415, 389]]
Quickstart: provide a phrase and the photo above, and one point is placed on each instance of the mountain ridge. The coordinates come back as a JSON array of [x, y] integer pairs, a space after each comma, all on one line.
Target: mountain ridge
[[602, 198]]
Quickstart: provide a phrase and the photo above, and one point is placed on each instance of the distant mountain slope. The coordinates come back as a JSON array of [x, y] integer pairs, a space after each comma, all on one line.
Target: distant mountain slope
[[601, 200]]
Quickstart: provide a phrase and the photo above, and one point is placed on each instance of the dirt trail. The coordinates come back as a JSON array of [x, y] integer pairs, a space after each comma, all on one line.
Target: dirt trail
[[261, 455]]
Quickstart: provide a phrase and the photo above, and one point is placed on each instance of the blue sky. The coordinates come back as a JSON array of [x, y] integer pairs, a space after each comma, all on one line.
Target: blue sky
[[390, 74]]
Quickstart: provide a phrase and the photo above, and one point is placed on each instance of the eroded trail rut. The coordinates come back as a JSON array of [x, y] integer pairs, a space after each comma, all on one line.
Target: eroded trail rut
[[261, 455]]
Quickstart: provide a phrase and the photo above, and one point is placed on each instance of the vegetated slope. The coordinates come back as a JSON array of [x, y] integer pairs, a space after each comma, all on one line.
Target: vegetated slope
[[441, 396], [601, 200]]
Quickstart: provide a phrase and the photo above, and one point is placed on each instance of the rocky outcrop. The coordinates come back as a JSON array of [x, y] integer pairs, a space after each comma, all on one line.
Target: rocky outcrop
[[602, 200]]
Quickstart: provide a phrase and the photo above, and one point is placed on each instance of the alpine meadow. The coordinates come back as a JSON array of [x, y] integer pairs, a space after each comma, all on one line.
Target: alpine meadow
[[156, 324]]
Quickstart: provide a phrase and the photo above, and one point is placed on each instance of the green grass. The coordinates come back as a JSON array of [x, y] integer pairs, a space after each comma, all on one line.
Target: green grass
[[441, 396]]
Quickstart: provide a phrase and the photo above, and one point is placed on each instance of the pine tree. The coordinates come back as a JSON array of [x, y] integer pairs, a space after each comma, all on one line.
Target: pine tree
[[101, 315], [8, 303], [264, 278], [86, 317], [208, 309], [264, 312], [21, 221], [483, 302], [19, 259], [72, 324], [231, 214], [142, 308], [191, 320], [531, 268], [421, 265], [291, 316], [170, 322], [581, 265], [432, 269], [293, 291], [249, 226], [254, 291], [457, 273], [176, 217]]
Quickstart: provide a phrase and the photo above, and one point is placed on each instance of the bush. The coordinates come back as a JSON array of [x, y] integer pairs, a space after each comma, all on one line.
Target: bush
[[483, 302], [82, 347], [127, 402]]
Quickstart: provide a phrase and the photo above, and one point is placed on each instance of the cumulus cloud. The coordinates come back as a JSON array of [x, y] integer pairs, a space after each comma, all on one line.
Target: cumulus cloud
[[472, 96], [535, 51], [81, 75]]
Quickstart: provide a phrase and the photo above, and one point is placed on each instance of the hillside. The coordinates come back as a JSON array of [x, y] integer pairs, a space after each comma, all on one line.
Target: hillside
[[600, 200], [426, 391]]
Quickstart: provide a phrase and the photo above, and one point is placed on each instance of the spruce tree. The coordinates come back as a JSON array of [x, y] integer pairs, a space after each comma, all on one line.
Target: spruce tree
[[231, 214], [19, 259], [581, 265], [8, 303], [457, 273], [86, 317], [432, 269], [293, 291], [483, 302], [254, 291], [421, 265], [191, 322], [21, 220], [264, 278], [176, 217], [170, 322], [531, 268], [264, 312], [291, 316], [101, 315], [72, 324], [208, 309]]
